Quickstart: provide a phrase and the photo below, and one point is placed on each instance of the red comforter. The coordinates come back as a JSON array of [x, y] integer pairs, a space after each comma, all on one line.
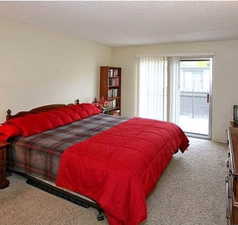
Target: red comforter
[[119, 167]]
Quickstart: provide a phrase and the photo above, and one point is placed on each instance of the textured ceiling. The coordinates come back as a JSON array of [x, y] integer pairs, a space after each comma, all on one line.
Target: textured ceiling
[[130, 23]]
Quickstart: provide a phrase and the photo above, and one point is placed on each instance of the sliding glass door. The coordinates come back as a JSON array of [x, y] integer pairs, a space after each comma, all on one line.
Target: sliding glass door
[[191, 94]]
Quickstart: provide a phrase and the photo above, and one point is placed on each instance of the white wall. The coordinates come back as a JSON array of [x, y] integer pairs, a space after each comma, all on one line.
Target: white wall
[[40, 67], [225, 76]]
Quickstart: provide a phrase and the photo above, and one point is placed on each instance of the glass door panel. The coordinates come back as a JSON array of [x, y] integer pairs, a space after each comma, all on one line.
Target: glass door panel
[[193, 96]]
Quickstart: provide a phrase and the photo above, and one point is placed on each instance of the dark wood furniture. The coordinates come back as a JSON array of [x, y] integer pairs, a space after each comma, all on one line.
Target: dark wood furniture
[[110, 88], [233, 124], [232, 178], [35, 110], [3, 180]]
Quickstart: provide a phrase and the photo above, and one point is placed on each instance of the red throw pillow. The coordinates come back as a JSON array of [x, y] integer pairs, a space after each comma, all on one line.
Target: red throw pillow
[[54, 119], [70, 112], [62, 115], [7, 131], [32, 124], [79, 109], [91, 109]]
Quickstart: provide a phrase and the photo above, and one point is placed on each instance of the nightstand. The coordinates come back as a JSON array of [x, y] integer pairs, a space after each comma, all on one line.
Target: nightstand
[[233, 124], [3, 150]]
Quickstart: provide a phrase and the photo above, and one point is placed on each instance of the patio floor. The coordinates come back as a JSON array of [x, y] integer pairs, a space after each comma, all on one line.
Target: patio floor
[[194, 125]]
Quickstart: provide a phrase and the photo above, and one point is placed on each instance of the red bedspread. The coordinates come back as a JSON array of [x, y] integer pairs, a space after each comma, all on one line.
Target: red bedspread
[[119, 167]]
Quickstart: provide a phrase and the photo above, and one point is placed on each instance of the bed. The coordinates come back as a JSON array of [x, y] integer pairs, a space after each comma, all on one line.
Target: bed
[[112, 162]]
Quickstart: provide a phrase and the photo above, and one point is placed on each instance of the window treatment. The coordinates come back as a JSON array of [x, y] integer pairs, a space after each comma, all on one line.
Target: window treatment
[[152, 90], [174, 89]]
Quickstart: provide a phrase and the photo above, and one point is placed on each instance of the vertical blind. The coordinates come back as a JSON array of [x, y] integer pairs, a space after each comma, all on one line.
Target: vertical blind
[[174, 89], [152, 87]]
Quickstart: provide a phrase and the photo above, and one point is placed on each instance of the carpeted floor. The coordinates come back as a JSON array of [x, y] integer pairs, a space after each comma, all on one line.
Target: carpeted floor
[[190, 192]]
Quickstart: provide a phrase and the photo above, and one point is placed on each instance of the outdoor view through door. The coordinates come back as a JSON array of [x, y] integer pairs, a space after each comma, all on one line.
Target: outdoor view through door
[[194, 96], [186, 101]]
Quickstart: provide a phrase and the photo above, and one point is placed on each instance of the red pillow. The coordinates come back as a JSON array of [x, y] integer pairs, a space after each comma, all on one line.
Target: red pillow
[[32, 124], [53, 118], [91, 109], [7, 131], [35, 123], [79, 109], [70, 112], [62, 115]]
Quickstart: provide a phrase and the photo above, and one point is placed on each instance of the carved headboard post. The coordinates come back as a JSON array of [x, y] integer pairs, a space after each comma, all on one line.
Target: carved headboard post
[[9, 114]]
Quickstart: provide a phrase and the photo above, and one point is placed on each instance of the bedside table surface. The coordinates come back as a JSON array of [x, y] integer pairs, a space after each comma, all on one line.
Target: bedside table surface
[[3, 144]]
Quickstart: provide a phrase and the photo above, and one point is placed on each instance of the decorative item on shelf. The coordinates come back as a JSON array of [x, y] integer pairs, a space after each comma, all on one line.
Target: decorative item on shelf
[[105, 105]]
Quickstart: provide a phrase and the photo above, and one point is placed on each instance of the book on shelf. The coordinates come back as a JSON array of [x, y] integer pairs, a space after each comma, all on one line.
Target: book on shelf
[[112, 72], [114, 81], [113, 103], [115, 74], [113, 93]]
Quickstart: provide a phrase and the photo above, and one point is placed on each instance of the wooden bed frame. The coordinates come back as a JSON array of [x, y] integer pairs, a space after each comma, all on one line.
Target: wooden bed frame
[[45, 185], [36, 110]]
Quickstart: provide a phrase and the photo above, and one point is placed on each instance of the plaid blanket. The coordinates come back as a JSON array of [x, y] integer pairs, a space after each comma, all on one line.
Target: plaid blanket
[[39, 154]]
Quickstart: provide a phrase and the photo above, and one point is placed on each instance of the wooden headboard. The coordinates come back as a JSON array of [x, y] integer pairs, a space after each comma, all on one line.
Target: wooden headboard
[[36, 110]]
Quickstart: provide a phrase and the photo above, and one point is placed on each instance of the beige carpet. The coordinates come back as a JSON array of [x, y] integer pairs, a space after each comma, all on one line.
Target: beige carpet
[[190, 192]]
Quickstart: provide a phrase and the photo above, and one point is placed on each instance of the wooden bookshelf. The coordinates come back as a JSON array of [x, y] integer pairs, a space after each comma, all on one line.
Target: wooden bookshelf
[[110, 87]]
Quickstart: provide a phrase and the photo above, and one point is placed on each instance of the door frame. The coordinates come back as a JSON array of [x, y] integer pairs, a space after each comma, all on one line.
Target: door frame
[[211, 59]]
